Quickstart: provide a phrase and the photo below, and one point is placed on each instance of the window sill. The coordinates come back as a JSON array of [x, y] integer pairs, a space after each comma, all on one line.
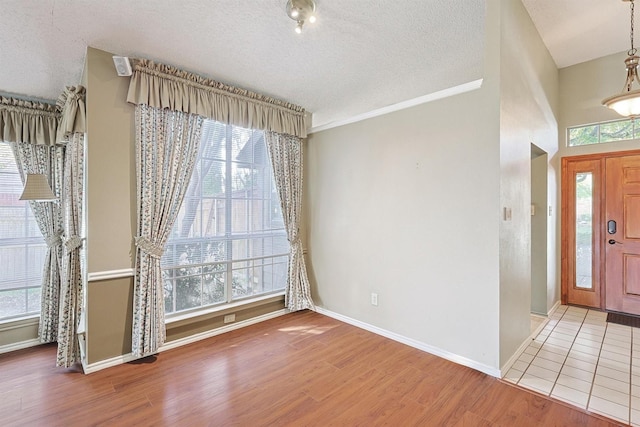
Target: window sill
[[221, 310]]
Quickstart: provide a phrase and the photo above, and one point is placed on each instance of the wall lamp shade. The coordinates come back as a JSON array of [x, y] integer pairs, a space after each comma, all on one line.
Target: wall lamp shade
[[37, 188], [627, 103]]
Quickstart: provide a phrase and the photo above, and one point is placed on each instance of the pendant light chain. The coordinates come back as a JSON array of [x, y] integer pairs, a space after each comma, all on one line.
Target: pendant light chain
[[633, 49], [627, 103]]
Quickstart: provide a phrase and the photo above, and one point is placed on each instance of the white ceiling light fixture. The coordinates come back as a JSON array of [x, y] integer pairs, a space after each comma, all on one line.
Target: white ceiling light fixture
[[627, 103], [36, 187], [301, 11]]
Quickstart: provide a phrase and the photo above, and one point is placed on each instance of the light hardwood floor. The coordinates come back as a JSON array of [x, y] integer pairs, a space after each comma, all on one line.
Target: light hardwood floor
[[302, 369]]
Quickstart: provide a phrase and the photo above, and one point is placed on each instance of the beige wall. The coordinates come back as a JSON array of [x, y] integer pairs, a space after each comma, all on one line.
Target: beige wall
[[109, 308], [111, 208], [111, 185], [528, 110], [395, 205], [18, 334]]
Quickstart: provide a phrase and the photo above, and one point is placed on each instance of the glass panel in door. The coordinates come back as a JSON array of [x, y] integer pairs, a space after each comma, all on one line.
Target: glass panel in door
[[584, 230]]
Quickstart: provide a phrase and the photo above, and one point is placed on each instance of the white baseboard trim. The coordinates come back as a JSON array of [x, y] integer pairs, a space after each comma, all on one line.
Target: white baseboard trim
[[110, 274], [554, 308], [19, 345], [107, 363], [228, 328], [505, 368], [540, 327], [126, 358], [461, 360]]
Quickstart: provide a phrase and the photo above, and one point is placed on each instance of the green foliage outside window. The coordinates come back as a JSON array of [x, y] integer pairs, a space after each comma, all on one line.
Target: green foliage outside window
[[619, 130]]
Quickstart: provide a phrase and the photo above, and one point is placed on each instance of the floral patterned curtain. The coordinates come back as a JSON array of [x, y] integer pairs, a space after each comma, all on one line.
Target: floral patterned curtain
[[72, 283], [167, 144], [47, 160], [71, 133], [286, 157], [71, 289]]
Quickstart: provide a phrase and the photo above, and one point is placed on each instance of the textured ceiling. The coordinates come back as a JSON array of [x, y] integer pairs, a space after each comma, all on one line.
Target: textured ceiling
[[360, 55], [576, 31]]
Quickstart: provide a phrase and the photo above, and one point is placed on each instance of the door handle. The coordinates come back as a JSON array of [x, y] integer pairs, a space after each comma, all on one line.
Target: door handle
[[613, 242]]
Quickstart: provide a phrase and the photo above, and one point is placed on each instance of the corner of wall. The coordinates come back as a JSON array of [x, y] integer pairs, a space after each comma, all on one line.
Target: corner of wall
[[528, 109]]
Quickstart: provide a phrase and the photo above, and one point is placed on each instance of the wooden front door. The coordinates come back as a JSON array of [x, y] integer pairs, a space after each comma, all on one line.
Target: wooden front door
[[622, 234]]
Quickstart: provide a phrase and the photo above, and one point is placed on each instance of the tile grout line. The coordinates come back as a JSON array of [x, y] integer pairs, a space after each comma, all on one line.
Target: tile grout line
[[565, 358], [630, 374], [593, 379], [568, 351], [538, 350], [545, 340]]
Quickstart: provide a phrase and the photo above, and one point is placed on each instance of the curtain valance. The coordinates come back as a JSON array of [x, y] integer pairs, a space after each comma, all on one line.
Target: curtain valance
[[163, 86], [71, 106], [27, 121]]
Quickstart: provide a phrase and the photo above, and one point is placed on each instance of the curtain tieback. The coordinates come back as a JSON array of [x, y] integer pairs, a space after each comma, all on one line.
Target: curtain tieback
[[295, 242], [73, 242], [53, 241], [152, 249]]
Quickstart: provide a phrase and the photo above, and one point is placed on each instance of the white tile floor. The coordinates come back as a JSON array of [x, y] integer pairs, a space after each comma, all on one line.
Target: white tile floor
[[581, 359]]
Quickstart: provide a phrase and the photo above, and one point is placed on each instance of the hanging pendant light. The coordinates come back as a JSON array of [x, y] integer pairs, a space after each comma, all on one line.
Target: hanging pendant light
[[301, 11], [627, 103], [37, 188]]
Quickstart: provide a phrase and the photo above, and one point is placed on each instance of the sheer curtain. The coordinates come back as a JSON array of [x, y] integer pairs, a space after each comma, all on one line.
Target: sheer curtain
[[286, 156], [167, 145]]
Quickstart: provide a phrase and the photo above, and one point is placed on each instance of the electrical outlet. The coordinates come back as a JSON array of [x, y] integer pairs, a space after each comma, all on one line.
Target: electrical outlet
[[374, 299], [229, 318]]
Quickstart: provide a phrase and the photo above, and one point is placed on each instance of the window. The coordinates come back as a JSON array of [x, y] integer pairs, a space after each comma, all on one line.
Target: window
[[584, 230], [619, 130], [229, 240], [22, 247]]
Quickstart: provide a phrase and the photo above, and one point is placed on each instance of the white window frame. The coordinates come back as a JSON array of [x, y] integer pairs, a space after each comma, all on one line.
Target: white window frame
[[635, 129], [24, 282], [231, 264]]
